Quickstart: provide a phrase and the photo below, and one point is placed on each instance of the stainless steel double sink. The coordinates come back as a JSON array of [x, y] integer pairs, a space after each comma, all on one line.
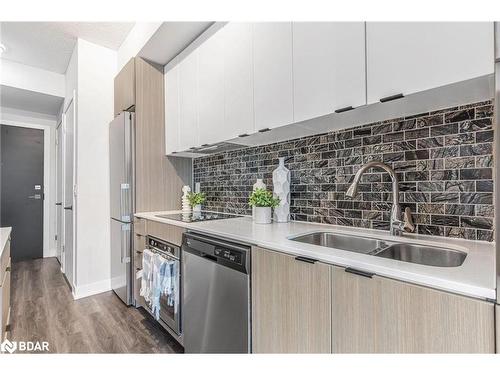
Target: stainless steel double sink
[[406, 252]]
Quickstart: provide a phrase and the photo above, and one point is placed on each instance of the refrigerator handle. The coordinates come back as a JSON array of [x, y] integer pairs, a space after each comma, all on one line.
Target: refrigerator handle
[[124, 204], [125, 244]]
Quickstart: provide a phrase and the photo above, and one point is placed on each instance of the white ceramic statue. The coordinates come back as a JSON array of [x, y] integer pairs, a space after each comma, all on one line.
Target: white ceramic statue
[[281, 184]]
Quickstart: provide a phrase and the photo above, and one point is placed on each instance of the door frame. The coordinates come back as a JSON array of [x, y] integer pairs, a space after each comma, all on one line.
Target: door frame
[[58, 229], [48, 215], [74, 161]]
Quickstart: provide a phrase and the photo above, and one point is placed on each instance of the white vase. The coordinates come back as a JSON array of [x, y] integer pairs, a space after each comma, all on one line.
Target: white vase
[[197, 208], [281, 184], [258, 185], [262, 215]]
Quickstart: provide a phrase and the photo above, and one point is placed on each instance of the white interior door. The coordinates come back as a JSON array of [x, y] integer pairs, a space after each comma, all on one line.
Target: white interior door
[[59, 192], [68, 196]]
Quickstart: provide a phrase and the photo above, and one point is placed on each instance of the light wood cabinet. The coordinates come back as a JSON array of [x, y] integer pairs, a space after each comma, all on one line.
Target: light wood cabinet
[[273, 79], [291, 304], [166, 232], [497, 320], [5, 276], [407, 57], [159, 179], [328, 67], [139, 246], [380, 315], [124, 88]]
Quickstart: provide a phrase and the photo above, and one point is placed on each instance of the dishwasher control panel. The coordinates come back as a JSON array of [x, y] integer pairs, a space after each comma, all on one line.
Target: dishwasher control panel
[[228, 254]]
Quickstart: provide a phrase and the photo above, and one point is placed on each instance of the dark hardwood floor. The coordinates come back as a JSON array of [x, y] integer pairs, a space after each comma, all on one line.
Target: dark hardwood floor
[[43, 309]]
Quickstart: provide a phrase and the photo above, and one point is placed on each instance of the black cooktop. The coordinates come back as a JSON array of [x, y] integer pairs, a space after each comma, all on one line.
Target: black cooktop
[[198, 216]]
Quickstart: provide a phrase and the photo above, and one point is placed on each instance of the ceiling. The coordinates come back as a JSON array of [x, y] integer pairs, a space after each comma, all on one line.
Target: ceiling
[[49, 45], [12, 97]]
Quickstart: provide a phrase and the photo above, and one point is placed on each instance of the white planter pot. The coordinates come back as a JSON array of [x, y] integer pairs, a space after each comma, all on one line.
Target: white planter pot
[[262, 215], [197, 208]]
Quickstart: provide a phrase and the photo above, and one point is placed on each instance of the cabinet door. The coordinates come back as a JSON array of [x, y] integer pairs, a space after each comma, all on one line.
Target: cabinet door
[[211, 90], [5, 303], [273, 91], [291, 303], [380, 315], [497, 315], [172, 115], [407, 57], [124, 88], [238, 79], [328, 67], [188, 102]]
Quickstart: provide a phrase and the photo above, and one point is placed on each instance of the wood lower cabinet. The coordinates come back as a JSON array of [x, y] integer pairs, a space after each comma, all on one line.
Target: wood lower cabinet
[[291, 304], [139, 246], [381, 315], [5, 265], [497, 314]]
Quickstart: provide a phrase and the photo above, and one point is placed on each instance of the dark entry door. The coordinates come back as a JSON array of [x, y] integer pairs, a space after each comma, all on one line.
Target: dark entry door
[[22, 190]]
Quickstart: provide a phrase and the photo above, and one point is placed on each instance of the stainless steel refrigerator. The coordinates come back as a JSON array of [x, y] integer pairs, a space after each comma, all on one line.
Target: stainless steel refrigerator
[[121, 152]]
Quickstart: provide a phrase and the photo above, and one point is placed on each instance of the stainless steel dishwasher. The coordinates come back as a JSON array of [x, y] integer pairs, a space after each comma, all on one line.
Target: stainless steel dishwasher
[[216, 295]]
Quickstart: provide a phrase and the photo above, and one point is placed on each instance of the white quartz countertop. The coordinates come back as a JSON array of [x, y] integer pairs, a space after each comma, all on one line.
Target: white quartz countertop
[[475, 277], [4, 236]]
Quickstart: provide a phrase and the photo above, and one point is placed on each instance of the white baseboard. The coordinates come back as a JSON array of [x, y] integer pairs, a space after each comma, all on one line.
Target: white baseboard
[[87, 290], [49, 254]]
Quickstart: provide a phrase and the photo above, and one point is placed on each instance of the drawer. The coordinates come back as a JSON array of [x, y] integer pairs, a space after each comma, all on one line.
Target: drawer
[[139, 242], [166, 232], [137, 260], [5, 260], [140, 226], [5, 303], [139, 300]]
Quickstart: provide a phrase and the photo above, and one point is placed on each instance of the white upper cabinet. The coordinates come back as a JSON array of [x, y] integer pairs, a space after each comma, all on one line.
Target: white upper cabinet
[[211, 90], [188, 102], [172, 110], [407, 57], [273, 87], [328, 67], [238, 79]]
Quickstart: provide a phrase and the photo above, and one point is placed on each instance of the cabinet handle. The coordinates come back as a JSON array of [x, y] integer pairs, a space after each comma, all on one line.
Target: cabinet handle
[[392, 97], [345, 109], [264, 130], [359, 272], [7, 269], [138, 252], [306, 260], [243, 135]]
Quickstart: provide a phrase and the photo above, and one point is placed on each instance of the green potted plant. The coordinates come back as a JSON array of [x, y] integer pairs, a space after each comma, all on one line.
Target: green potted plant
[[263, 200], [196, 200]]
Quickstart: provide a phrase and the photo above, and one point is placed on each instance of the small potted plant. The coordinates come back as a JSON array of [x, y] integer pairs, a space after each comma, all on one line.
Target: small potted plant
[[263, 200], [196, 200]]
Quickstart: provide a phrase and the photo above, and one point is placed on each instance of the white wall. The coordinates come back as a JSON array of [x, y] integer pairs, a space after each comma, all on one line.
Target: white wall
[[71, 78], [29, 78], [15, 117], [96, 69], [135, 40]]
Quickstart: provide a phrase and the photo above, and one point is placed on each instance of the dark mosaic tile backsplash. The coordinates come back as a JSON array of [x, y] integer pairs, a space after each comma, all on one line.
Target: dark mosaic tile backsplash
[[444, 161]]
